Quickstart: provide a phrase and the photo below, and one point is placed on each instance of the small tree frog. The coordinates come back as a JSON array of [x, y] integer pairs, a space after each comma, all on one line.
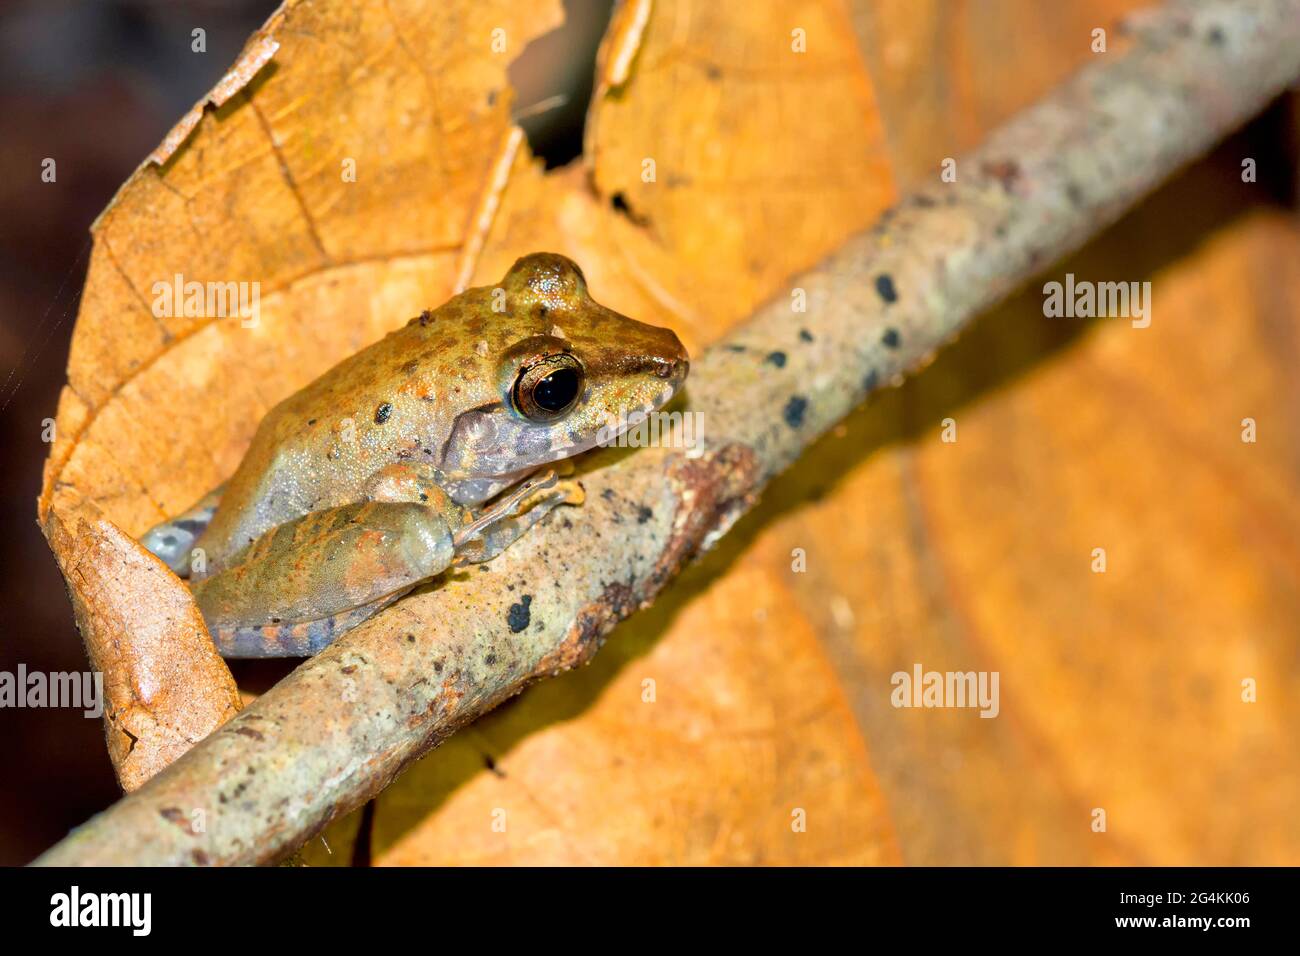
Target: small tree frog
[[428, 449]]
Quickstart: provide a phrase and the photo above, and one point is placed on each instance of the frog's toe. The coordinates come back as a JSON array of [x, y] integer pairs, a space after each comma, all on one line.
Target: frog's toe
[[171, 542]]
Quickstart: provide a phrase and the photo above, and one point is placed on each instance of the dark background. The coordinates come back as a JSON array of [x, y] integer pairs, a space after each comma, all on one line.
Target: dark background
[[95, 85]]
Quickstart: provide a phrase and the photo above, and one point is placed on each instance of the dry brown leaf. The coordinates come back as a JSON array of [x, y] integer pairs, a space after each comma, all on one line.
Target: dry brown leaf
[[764, 158], [947, 72], [165, 687], [414, 95], [250, 187]]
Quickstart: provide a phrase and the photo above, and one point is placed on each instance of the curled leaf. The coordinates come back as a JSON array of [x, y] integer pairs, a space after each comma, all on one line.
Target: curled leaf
[[165, 686]]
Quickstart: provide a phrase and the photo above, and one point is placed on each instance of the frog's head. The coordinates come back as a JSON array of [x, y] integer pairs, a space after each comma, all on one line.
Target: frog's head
[[566, 373]]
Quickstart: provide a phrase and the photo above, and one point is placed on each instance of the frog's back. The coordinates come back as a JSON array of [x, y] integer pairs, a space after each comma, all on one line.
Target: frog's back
[[392, 401]]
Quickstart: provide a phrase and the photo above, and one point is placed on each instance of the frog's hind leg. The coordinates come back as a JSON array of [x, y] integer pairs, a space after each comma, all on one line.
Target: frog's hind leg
[[298, 587], [300, 639], [307, 581], [173, 540]]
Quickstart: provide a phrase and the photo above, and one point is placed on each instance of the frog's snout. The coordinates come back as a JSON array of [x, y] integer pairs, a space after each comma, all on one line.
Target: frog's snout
[[669, 359], [673, 364], [674, 370]]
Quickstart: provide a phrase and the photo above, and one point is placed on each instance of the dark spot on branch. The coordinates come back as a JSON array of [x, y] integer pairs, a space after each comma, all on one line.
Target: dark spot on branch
[[383, 413], [249, 732], [643, 514], [776, 358], [891, 338], [805, 335], [175, 815], [871, 380], [1005, 171], [1215, 36], [794, 410], [519, 615], [885, 288], [490, 660]]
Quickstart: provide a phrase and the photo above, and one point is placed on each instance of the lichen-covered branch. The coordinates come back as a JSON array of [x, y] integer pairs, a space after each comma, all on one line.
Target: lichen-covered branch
[[344, 724]]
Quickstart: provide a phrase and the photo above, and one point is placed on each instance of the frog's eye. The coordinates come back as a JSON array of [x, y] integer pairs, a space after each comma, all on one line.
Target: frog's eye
[[548, 388]]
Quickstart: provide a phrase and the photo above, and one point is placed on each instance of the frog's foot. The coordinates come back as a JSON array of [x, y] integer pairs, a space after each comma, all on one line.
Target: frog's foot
[[510, 518], [173, 541]]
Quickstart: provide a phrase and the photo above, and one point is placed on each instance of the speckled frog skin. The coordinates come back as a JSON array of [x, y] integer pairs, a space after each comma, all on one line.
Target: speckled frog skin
[[427, 449]]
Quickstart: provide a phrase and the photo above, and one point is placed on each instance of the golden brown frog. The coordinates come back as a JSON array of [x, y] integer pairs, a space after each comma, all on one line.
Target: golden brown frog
[[425, 450]]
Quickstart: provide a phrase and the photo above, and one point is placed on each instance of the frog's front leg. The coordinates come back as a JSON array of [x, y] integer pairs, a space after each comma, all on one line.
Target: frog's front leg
[[297, 587], [496, 529]]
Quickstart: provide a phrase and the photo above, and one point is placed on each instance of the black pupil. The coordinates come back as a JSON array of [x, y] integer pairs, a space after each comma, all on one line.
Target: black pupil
[[556, 391]]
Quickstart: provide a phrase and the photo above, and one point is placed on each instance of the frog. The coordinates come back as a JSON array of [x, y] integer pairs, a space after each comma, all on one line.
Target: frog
[[436, 447]]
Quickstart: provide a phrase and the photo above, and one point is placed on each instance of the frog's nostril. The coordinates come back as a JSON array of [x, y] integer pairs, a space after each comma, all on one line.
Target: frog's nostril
[[672, 365]]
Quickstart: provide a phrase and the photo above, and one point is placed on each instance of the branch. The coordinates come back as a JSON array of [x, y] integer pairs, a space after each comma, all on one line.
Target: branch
[[338, 729]]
